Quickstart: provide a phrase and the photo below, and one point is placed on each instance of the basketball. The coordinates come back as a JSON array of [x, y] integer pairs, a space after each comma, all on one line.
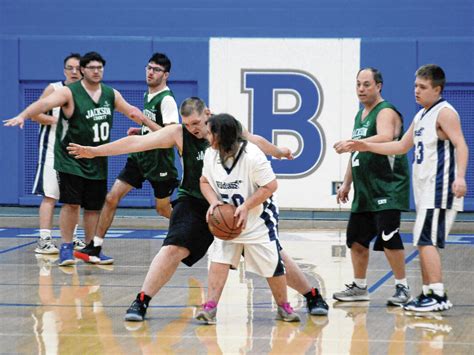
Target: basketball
[[223, 224]]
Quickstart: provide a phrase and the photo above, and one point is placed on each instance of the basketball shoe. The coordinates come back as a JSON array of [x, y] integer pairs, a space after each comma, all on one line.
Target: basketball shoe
[[92, 254], [137, 310], [78, 244], [46, 246], [66, 257], [352, 293], [315, 303], [208, 312], [286, 313], [401, 296], [428, 303]]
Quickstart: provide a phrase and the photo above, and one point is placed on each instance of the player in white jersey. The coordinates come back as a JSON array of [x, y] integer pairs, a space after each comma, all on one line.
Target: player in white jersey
[[237, 172], [46, 182], [439, 169]]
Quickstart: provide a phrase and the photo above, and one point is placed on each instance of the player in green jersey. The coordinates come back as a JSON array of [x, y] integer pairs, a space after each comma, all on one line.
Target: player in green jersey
[[381, 191], [188, 236], [87, 108], [156, 166]]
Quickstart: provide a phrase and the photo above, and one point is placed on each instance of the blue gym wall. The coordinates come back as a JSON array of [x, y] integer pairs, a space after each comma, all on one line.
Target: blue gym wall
[[397, 37]]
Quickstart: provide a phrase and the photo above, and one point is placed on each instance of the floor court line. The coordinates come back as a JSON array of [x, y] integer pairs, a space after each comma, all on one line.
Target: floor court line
[[389, 274]]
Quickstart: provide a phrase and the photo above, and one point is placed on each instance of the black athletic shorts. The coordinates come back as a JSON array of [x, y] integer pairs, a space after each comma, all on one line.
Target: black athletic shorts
[[365, 226], [76, 190], [188, 228], [132, 175]]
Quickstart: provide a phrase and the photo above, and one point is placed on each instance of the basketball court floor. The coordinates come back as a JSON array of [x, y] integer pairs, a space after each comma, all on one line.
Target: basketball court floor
[[46, 309]]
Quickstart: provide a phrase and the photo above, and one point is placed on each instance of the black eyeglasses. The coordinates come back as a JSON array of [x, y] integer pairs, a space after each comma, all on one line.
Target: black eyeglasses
[[94, 67], [154, 69]]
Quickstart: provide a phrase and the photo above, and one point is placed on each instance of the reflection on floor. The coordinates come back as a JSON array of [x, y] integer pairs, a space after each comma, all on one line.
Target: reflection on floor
[[48, 309]]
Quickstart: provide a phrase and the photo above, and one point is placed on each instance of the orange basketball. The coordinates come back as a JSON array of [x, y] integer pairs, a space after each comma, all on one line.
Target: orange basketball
[[223, 224]]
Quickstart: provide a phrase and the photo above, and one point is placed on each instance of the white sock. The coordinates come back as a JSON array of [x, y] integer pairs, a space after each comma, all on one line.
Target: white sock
[[426, 289], [361, 283], [74, 234], [98, 241], [401, 282], [45, 233], [438, 289]]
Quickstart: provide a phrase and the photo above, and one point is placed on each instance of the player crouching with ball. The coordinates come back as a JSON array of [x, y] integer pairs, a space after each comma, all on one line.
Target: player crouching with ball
[[236, 172]]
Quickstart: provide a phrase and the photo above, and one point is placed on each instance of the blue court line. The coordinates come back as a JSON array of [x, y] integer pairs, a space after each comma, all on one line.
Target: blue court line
[[389, 274], [17, 247]]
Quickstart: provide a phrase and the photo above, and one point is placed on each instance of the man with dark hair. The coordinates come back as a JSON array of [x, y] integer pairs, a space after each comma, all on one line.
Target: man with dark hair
[[188, 235], [87, 108], [46, 181], [439, 184], [381, 191], [156, 166]]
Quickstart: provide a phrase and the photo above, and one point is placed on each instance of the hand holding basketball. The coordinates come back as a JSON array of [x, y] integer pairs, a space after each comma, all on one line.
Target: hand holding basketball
[[223, 224]]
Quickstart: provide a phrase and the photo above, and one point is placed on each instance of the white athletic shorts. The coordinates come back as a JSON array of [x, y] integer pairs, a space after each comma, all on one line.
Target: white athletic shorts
[[46, 182], [432, 226], [262, 258]]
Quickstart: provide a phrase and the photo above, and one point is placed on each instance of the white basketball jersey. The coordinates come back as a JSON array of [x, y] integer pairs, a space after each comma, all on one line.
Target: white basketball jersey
[[47, 136], [235, 184], [434, 164]]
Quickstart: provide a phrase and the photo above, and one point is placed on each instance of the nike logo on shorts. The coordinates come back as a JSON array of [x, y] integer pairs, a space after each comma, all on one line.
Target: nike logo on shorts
[[387, 237]]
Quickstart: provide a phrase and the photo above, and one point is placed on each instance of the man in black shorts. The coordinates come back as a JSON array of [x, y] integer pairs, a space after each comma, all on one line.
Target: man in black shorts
[[156, 166], [381, 191], [188, 236]]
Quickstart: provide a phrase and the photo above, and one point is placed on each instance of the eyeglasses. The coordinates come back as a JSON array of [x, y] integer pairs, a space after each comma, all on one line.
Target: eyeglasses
[[154, 69], [71, 68], [94, 68]]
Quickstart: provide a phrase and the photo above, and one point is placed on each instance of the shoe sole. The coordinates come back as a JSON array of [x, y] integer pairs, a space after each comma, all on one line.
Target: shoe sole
[[319, 312], [46, 252], [68, 262], [352, 299], [133, 318], [398, 304], [288, 320], [434, 308], [203, 318], [106, 262]]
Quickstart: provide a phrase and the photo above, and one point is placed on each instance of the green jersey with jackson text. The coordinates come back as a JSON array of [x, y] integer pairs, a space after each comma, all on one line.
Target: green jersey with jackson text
[[156, 164], [381, 182], [192, 161], [89, 125]]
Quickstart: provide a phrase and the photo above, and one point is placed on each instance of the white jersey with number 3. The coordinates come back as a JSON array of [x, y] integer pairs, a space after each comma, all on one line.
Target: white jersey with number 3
[[236, 182], [434, 164]]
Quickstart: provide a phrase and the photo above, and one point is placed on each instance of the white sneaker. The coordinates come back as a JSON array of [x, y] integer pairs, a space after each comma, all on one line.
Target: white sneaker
[[78, 244], [46, 246]]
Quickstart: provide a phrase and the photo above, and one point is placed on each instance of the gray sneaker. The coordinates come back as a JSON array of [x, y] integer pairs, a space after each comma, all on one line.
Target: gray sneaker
[[352, 293], [208, 313], [46, 246], [78, 244], [401, 296], [287, 314]]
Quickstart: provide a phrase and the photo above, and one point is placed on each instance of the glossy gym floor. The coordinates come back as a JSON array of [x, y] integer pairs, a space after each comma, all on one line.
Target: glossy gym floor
[[46, 309]]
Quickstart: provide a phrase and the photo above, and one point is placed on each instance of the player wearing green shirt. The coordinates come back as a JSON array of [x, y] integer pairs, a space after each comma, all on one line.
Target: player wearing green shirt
[[381, 191]]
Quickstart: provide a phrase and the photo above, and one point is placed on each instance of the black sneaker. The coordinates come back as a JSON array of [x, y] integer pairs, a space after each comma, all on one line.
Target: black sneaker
[[137, 310], [316, 304], [90, 253]]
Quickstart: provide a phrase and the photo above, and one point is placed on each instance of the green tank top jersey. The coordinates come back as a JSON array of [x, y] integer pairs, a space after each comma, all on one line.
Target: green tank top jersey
[[157, 164], [381, 182], [90, 125], [192, 161]]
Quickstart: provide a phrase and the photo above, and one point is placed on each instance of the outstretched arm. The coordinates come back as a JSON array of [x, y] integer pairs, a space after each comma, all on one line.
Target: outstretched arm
[[167, 137], [390, 148], [267, 147], [58, 98]]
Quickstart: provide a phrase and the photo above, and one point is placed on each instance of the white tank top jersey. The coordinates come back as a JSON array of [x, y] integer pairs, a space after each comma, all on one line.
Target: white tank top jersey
[[235, 183], [434, 163], [47, 136]]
